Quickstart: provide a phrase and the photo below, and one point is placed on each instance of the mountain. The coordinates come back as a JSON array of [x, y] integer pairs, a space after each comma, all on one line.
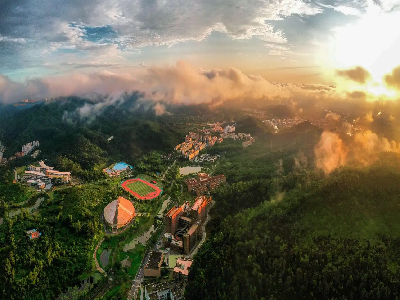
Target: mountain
[[64, 130], [302, 127], [253, 126], [329, 238]]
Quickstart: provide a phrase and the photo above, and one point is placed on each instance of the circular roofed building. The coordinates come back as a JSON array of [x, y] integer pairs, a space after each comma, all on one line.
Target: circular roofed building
[[119, 212]]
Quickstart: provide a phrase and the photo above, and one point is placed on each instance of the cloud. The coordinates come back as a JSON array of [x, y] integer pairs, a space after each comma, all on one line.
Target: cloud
[[330, 152], [346, 10], [357, 74], [56, 26], [177, 84], [333, 117], [393, 79], [369, 118], [159, 109]]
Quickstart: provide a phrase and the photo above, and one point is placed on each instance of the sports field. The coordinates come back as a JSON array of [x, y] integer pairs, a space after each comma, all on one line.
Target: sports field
[[141, 189]]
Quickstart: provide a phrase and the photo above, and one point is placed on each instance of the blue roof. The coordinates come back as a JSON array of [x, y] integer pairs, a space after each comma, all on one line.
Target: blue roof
[[121, 166]]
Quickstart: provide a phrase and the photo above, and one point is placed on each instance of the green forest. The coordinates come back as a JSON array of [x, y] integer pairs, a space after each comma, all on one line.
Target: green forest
[[327, 238]]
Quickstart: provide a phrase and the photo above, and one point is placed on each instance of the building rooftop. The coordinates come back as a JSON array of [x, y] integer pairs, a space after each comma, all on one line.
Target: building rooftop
[[155, 260], [174, 211], [182, 266], [199, 201], [186, 219], [119, 212], [192, 229]]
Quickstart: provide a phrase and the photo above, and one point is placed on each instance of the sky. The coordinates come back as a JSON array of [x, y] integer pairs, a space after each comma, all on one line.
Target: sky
[[310, 42]]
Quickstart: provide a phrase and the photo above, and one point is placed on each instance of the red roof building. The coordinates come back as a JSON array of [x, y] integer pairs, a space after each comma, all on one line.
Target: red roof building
[[119, 212], [172, 219]]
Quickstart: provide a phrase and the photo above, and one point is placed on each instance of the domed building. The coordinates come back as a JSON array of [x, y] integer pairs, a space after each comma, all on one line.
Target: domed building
[[119, 212]]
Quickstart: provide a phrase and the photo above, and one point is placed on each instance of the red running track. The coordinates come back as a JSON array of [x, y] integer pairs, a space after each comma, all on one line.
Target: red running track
[[149, 196]]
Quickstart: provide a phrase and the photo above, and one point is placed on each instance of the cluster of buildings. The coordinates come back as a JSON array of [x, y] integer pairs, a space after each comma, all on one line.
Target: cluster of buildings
[[29, 147], [229, 129], [117, 169], [194, 143], [163, 291], [279, 124], [206, 157], [204, 183], [33, 234], [26, 149], [44, 176], [249, 140], [183, 225], [180, 268], [166, 289], [216, 127], [259, 114]]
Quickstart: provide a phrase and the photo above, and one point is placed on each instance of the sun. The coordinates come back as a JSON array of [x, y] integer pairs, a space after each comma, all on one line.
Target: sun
[[372, 42]]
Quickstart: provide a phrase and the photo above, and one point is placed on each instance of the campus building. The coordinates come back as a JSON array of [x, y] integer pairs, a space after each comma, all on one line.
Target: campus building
[[172, 219], [119, 212], [190, 238], [182, 268], [43, 176], [183, 225], [153, 266], [117, 169], [204, 183], [163, 291], [199, 209]]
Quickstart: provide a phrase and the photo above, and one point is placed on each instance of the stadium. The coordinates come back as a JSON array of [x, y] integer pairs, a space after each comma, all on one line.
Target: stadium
[[141, 189]]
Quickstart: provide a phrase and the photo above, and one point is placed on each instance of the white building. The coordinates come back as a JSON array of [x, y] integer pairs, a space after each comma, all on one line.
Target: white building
[[229, 129], [29, 146]]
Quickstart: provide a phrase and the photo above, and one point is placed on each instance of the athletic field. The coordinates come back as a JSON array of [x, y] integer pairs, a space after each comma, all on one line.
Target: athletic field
[[141, 189]]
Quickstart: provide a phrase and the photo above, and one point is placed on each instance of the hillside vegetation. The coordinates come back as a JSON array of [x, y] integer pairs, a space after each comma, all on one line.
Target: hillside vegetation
[[329, 238]]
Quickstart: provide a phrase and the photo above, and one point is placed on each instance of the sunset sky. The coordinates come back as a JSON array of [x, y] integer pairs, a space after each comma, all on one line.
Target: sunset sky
[[280, 40]]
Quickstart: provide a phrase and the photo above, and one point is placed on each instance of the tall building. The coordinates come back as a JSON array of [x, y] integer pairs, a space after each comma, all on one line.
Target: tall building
[[190, 239], [172, 219], [199, 208]]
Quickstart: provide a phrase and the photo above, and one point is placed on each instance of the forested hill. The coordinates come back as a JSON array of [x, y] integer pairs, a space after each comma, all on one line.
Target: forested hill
[[329, 238], [63, 131]]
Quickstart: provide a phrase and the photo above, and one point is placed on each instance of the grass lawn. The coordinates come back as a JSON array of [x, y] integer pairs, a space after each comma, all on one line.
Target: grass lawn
[[113, 291], [135, 256], [141, 188]]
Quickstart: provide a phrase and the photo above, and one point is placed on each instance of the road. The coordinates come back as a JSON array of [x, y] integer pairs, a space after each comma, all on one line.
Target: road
[[140, 274], [168, 169], [15, 212], [98, 268]]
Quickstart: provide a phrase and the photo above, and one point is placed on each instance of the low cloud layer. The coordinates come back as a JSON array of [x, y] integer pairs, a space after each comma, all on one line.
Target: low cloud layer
[[393, 79], [357, 74], [331, 152], [180, 84]]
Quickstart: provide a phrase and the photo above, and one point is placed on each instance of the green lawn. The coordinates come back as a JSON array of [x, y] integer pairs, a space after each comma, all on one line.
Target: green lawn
[[135, 256], [141, 188]]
